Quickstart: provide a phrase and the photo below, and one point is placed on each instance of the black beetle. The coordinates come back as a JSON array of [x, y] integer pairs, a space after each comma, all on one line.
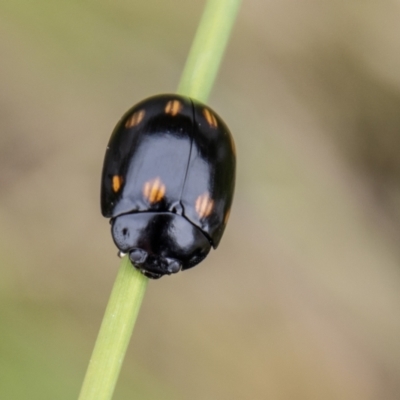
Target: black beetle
[[167, 183]]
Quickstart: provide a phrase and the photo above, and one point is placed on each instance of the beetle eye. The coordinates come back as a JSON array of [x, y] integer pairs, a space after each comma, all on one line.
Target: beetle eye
[[137, 256]]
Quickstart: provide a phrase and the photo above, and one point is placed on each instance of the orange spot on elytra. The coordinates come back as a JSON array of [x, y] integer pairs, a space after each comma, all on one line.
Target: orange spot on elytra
[[227, 216], [135, 119], [116, 183], [204, 205], [210, 117], [154, 190], [173, 107]]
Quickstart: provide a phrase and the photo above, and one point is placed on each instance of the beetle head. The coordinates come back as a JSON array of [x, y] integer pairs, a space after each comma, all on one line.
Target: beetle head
[[159, 243]]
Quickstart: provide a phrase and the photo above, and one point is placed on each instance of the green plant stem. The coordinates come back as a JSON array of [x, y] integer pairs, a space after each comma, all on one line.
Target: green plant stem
[[208, 48], [126, 297], [115, 333]]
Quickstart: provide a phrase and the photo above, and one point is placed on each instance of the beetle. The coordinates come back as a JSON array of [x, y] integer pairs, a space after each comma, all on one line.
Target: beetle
[[167, 183]]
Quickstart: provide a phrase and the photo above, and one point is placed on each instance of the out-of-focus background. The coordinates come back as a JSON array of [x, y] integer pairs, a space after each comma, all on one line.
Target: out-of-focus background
[[302, 299]]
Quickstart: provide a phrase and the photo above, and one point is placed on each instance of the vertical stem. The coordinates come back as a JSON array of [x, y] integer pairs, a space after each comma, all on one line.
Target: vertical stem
[[208, 48], [115, 333]]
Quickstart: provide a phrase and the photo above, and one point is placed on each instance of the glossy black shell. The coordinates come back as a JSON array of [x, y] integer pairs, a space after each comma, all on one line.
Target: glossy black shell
[[169, 154]]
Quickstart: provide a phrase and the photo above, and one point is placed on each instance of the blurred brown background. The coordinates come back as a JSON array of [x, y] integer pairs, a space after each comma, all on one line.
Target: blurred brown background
[[302, 299]]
